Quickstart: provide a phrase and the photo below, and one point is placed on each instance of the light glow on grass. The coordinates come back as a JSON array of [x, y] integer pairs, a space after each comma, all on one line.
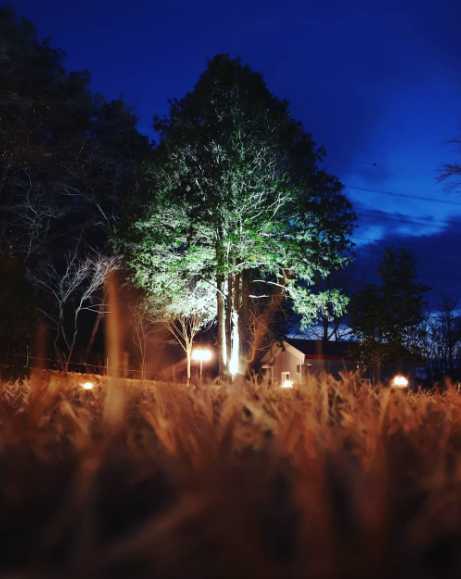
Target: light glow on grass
[[287, 384]]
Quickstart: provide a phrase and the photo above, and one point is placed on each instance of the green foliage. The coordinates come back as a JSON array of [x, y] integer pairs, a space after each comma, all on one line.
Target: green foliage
[[238, 200], [232, 154], [168, 265], [308, 304]]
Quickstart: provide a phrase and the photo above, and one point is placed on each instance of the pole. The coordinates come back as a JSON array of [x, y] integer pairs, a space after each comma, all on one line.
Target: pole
[[201, 368]]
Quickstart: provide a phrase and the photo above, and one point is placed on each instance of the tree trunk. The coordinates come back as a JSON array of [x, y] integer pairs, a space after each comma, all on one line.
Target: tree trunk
[[244, 321], [221, 314], [142, 354], [230, 298], [234, 362], [113, 326], [233, 336], [188, 362], [221, 310], [94, 331]]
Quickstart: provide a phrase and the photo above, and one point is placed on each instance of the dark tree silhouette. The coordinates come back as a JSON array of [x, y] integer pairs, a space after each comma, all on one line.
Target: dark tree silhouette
[[386, 317]]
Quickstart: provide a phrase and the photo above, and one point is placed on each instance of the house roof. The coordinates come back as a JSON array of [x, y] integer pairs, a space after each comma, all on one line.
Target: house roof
[[320, 350]]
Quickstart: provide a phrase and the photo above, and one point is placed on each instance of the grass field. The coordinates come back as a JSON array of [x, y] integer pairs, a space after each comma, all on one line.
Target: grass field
[[228, 481]]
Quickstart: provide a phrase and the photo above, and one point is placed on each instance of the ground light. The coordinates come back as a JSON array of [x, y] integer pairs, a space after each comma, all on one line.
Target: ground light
[[399, 381], [87, 385], [201, 355]]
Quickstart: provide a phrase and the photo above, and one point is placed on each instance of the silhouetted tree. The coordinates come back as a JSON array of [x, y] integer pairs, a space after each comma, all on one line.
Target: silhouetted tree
[[17, 319], [444, 336], [386, 318], [70, 162]]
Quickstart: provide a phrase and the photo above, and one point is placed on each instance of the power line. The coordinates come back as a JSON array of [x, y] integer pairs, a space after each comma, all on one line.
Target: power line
[[425, 221], [405, 220], [407, 196]]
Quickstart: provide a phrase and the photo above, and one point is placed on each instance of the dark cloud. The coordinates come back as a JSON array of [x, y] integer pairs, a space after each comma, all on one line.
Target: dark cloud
[[437, 259], [390, 224], [392, 221]]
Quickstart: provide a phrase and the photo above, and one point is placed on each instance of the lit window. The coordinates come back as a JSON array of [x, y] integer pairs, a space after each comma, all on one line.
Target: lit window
[[286, 381]]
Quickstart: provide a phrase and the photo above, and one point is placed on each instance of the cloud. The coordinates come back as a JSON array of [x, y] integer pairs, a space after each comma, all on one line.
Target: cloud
[[374, 224], [437, 260]]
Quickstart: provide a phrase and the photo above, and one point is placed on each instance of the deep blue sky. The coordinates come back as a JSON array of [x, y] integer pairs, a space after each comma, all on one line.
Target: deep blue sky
[[378, 83]]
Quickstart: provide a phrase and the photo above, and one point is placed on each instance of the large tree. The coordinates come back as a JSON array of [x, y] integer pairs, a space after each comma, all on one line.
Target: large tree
[[255, 213]]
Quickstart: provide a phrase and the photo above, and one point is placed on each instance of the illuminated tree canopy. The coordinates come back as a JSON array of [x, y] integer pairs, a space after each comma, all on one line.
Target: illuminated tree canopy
[[238, 202]]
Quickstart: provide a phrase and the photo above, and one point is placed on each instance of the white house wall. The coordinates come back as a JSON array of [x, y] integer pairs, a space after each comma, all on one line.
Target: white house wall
[[287, 361]]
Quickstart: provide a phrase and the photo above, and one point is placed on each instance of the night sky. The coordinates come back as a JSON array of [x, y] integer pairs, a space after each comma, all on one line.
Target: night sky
[[378, 83]]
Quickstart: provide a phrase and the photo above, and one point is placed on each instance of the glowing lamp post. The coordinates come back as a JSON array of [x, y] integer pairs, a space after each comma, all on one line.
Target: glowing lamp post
[[201, 355]]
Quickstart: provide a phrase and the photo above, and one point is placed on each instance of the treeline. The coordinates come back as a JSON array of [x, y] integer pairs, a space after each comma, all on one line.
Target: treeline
[[228, 221], [390, 325], [227, 225], [70, 174]]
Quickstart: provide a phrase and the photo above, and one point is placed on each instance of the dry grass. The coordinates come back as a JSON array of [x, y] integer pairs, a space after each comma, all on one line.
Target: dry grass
[[239, 481]]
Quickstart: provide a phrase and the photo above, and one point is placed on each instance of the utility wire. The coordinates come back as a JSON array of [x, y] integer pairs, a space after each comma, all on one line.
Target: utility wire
[[407, 196], [376, 213], [403, 218]]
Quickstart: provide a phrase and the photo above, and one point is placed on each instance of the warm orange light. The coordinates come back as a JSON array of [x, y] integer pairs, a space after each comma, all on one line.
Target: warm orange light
[[87, 385], [287, 383], [399, 381], [202, 354]]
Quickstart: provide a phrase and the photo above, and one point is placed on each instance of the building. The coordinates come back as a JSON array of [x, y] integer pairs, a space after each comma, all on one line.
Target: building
[[292, 360]]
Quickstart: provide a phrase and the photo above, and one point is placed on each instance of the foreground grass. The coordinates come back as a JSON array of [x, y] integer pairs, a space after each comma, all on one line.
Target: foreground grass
[[238, 481]]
